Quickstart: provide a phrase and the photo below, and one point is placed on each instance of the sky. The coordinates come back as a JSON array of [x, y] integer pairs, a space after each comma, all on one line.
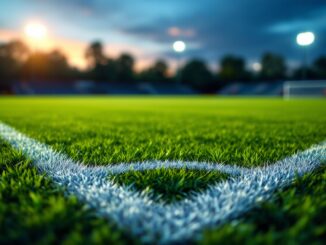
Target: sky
[[148, 28]]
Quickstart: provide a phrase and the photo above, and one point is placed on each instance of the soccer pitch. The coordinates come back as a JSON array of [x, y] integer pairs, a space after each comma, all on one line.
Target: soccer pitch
[[105, 132]]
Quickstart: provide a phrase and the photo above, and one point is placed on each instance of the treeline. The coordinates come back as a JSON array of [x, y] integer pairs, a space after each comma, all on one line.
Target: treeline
[[17, 62]]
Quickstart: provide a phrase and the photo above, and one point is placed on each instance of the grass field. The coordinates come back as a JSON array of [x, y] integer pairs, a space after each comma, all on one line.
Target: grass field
[[100, 131]]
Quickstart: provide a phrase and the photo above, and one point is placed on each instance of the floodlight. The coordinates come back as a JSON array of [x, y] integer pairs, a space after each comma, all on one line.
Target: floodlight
[[179, 46], [305, 38]]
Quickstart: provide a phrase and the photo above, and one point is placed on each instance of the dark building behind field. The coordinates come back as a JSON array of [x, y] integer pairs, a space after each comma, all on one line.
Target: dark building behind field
[[87, 87], [81, 87]]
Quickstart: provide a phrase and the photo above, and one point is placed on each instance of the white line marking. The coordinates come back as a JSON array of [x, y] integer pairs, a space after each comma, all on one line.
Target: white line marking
[[154, 221]]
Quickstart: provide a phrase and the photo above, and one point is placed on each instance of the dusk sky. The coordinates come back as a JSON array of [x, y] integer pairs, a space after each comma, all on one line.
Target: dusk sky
[[147, 28]]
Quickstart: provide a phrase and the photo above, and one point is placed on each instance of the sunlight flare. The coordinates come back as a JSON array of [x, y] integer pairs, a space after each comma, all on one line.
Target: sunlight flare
[[36, 30]]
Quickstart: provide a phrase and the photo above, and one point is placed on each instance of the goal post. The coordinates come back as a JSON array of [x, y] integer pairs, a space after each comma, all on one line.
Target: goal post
[[304, 89]]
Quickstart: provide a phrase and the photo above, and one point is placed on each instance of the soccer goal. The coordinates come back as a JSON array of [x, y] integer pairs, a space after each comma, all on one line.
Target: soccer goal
[[301, 89]]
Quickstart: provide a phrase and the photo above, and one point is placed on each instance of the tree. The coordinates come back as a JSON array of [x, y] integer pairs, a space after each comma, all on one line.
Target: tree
[[319, 67], [94, 54], [58, 65], [45, 66], [97, 61], [105, 69], [125, 68], [36, 66], [157, 73], [12, 56], [232, 68], [160, 70], [196, 74], [273, 67]]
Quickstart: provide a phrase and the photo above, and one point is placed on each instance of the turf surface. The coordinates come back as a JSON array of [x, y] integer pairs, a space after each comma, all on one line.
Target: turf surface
[[170, 184], [34, 211], [295, 216], [247, 132]]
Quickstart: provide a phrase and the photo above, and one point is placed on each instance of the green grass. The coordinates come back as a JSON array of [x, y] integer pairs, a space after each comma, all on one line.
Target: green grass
[[34, 211], [169, 184], [101, 130], [295, 216], [98, 131]]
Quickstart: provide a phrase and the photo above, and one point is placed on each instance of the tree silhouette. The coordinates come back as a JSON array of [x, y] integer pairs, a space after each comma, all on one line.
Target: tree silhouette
[[94, 54], [196, 74], [273, 67], [12, 56], [36, 66], [232, 68], [45, 66], [125, 68], [156, 73], [101, 68], [160, 69], [319, 67], [58, 65], [18, 63]]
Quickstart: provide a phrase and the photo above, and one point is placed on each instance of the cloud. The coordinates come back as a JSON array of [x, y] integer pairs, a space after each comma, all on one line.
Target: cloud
[[242, 27], [211, 28]]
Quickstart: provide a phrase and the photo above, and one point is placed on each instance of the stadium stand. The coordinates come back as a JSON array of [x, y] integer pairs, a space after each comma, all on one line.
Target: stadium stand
[[90, 87], [261, 88]]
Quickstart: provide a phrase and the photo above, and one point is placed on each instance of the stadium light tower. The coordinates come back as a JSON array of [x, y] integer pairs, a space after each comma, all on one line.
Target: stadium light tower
[[179, 47], [305, 39]]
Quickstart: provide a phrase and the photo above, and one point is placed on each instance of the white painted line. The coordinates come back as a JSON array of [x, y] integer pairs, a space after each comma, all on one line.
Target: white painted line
[[157, 164], [154, 221]]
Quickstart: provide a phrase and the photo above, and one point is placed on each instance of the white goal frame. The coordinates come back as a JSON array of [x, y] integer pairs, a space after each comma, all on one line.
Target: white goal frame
[[288, 85]]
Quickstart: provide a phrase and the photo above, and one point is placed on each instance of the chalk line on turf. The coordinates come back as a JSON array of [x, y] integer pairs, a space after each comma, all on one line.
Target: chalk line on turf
[[155, 221]]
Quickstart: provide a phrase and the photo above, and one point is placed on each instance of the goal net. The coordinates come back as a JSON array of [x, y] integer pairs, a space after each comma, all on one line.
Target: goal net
[[301, 89]]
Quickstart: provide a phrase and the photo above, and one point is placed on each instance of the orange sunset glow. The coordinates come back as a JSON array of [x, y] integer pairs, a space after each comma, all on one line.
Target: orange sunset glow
[[39, 38]]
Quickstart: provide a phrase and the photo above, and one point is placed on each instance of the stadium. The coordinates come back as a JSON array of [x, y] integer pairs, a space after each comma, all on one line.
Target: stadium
[[162, 130]]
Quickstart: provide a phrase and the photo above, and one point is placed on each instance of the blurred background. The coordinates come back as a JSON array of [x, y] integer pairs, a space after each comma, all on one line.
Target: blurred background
[[240, 47]]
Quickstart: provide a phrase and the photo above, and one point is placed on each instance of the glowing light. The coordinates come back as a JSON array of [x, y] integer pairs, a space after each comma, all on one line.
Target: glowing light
[[179, 46], [256, 67], [35, 30], [305, 38]]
